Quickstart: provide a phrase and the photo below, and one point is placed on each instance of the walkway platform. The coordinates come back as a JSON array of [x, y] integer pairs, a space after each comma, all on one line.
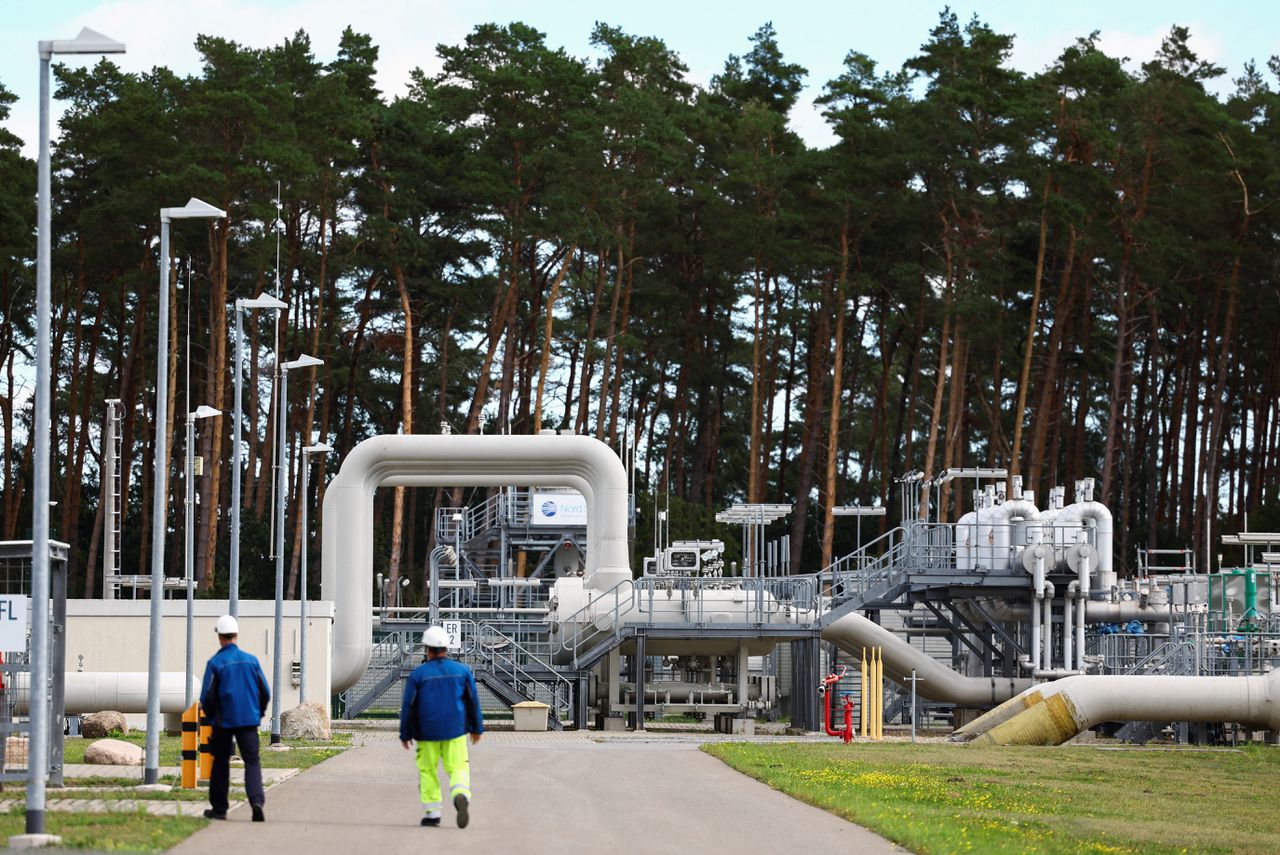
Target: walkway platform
[[566, 792]]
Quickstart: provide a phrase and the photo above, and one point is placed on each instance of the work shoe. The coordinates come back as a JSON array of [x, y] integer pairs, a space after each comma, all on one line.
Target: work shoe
[[210, 813], [430, 821], [460, 804], [258, 815]]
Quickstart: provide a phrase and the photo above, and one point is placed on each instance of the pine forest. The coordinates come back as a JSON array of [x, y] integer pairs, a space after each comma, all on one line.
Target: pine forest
[[1070, 274]]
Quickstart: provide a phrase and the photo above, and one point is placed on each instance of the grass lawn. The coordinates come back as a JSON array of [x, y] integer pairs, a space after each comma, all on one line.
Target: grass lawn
[[116, 832], [933, 798]]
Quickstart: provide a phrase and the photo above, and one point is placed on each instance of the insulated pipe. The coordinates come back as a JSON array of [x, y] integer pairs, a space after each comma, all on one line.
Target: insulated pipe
[[854, 634], [580, 462], [1041, 553], [122, 691], [1002, 532], [1068, 603], [1082, 596], [1049, 590], [1095, 611], [1104, 527], [1080, 703], [1005, 711]]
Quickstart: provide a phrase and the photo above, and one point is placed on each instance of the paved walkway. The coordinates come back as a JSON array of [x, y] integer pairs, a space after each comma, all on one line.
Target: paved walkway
[[552, 793]]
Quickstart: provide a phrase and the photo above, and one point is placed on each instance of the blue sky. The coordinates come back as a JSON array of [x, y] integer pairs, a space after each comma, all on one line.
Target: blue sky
[[814, 34]]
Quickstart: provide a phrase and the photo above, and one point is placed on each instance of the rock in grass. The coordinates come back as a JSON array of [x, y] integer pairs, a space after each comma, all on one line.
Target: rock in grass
[[100, 724], [113, 752], [305, 721]]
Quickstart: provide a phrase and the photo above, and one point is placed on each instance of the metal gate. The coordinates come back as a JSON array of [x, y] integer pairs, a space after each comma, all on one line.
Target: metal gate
[[15, 671]]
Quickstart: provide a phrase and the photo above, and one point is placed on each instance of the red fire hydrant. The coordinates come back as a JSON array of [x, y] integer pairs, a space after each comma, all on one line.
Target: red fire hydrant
[[828, 686]]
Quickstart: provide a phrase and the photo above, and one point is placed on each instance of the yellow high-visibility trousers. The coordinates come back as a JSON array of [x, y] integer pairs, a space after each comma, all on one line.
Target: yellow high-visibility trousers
[[453, 753]]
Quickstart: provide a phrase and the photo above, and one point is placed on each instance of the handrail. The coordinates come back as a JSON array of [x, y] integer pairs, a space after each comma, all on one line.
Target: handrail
[[505, 665], [582, 620]]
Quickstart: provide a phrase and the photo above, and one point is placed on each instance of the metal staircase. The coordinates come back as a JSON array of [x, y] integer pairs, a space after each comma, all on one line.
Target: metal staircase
[[392, 659], [516, 672], [876, 573]]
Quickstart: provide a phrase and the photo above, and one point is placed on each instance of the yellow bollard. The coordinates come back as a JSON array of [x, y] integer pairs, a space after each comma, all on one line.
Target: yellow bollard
[[862, 696], [206, 745], [190, 739], [879, 690]]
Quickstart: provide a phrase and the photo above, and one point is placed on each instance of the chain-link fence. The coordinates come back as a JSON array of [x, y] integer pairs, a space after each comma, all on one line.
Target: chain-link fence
[[15, 660]]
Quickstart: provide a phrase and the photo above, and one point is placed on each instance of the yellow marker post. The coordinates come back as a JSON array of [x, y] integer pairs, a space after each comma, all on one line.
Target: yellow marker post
[[206, 745], [862, 696], [190, 742], [879, 692]]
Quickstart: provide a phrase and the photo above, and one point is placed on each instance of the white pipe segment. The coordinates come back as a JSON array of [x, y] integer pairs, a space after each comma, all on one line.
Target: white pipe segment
[[1101, 517], [854, 633], [1079, 703], [1010, 536], [122, 691], [1046, 635], [580, 462]]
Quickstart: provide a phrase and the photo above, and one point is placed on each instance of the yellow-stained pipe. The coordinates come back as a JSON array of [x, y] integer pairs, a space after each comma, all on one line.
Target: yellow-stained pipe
[[1002, 713]]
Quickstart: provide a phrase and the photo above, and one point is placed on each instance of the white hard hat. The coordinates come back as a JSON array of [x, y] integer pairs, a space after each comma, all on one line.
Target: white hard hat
[[227, 625], [435, 637]]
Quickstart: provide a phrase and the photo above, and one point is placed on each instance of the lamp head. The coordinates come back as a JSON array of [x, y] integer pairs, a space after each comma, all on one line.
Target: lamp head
[[87, 41], [318, 448], [204, 412], [262, 301], [303, 361], [194, 209]]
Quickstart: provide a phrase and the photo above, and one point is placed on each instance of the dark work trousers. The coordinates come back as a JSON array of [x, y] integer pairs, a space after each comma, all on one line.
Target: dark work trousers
[[220, 778]]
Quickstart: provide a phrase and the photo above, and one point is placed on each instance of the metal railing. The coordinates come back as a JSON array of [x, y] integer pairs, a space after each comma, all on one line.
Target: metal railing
[[873, 567], [761, 600], [386, 663], [1173, 658], [518, 666]]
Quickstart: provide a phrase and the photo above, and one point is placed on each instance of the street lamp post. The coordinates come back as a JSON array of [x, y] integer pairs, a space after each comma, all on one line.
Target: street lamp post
[[319, 448], [194, 209], [262, 301], [857, 510], [277, 644], [90, 42], [188, 536]]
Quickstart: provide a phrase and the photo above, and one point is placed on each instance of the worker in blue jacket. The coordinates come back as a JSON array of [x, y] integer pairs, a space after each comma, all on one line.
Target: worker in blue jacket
[[234, 697], [440, 708]]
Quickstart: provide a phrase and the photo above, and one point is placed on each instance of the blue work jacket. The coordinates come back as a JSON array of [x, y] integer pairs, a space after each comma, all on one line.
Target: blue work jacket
[[440, 702], [235, 692]]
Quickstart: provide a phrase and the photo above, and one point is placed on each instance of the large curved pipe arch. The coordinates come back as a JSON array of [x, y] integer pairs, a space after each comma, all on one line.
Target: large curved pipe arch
[[580, 462]]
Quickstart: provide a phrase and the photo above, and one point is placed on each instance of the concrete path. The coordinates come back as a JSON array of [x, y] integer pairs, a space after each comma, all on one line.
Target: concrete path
[[552, 793]]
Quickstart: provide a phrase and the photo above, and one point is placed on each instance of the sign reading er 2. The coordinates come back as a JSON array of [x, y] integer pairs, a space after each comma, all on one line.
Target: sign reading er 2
[[13, 622], [453, 629]]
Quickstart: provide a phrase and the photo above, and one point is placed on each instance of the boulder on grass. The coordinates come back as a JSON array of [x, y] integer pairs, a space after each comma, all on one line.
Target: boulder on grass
[[113, 752], [99, 724], [305, 721]]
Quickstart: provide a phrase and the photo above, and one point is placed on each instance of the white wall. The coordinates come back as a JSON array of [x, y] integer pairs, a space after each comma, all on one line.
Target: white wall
[[113, 635]]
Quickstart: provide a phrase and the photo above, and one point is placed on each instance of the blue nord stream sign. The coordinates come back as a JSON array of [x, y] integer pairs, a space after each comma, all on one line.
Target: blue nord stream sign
[[557, 508]]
